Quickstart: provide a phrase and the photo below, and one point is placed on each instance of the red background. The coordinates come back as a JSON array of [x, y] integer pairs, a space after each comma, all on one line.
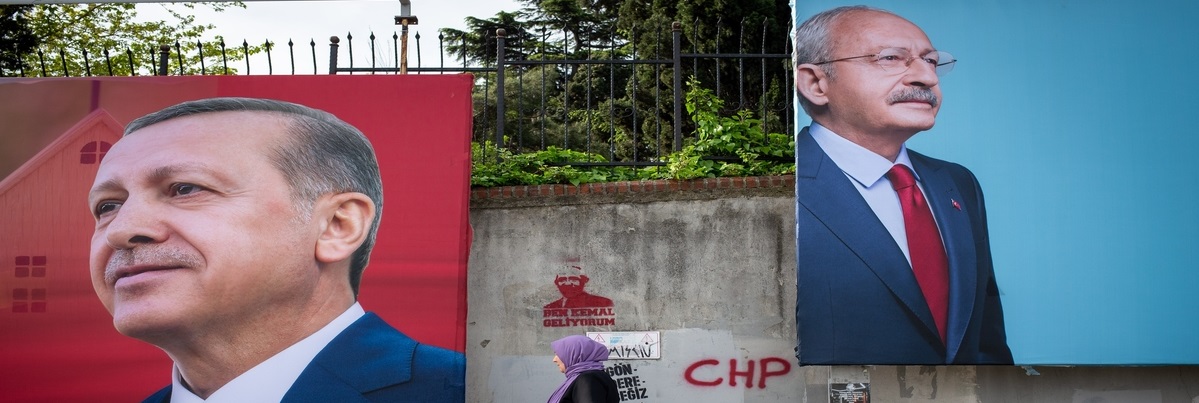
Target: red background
[[420, 128]]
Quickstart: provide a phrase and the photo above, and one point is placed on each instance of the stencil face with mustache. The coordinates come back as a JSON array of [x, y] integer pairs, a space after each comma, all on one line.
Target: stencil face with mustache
[[873, 107]]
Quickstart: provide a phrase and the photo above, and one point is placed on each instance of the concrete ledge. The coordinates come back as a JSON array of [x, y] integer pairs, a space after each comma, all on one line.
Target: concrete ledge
[[631, 192]]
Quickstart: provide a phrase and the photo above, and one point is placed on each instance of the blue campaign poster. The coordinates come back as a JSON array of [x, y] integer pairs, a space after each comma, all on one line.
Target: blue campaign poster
[[1078, 118]]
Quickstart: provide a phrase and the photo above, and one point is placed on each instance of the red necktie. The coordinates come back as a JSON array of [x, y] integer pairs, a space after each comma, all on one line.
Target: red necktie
[[929, 262]]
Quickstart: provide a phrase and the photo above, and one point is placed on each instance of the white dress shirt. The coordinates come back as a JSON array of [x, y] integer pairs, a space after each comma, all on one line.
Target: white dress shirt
[[868, 172], [269, 380]]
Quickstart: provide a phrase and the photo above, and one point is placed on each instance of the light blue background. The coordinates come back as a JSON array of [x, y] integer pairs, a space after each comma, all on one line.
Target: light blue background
[[1079, 118]]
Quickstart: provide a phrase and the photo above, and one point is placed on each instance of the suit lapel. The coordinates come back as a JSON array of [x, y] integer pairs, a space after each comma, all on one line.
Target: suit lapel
[[822, 189], [953, 220], [161, 396], [368, 355]]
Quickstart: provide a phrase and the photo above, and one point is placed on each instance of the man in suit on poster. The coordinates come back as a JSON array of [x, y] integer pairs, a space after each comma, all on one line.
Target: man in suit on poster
[[232, 233], [893, 252]]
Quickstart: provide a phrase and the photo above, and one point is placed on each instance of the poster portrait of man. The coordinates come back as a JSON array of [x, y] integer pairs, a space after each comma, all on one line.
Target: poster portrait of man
[[1081, 242], [190, 212]]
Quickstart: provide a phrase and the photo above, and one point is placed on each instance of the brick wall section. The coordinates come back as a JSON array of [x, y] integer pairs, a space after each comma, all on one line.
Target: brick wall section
[[631, 191]]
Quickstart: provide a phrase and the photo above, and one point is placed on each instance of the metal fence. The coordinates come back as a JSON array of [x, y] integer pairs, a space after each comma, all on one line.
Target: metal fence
[[159, 61], [628, 110], [622, 107]]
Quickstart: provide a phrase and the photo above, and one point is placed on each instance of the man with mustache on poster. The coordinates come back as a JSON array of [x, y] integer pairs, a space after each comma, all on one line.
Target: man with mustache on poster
[[894, 261], [232, 233]]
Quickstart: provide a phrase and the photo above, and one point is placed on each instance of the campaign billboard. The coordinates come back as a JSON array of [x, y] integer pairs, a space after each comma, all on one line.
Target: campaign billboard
[[54, 332], [1075, 119]]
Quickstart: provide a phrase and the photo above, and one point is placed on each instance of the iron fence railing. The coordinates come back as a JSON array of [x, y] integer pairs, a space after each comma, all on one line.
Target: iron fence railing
[[621, 105], [645, 120], [164, 59]]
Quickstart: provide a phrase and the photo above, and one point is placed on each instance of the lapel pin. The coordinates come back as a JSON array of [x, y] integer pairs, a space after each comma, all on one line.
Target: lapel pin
[[956, 205]]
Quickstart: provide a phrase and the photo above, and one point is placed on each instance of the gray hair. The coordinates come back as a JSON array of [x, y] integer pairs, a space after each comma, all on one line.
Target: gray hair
[[814, 43], [323, 155]]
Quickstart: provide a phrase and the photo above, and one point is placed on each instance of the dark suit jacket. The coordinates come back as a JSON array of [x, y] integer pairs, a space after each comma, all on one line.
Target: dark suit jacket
[[858, 300], [371, 361]]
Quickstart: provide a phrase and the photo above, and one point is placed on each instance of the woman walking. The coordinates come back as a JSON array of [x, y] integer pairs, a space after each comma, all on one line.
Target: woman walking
[[586, 381]]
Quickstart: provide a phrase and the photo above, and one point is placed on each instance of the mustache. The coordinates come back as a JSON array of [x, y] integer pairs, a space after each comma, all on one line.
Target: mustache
[[913, 94], [159, 256]]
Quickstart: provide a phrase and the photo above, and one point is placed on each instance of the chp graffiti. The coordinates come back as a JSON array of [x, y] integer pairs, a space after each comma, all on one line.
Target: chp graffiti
[[628, 382], [712, 372], [577, 307]]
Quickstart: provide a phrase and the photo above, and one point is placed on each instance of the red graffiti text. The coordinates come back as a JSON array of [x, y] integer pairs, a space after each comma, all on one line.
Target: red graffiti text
[[710, 372]]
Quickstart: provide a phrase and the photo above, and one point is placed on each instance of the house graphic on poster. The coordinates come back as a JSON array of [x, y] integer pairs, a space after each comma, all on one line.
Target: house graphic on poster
[[46, 227]]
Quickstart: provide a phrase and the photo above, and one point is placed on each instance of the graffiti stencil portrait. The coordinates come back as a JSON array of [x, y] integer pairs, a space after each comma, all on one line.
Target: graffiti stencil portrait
[[577, 307]]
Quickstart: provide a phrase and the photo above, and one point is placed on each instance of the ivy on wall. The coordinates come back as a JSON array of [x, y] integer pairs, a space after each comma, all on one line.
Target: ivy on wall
[[721, 146]]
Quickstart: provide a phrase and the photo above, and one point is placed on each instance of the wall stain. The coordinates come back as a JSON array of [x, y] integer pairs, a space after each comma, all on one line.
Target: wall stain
[[906, 391]]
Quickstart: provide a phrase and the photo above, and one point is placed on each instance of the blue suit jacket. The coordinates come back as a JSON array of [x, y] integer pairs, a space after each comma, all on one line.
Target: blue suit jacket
[[858, 300], [371, 361]]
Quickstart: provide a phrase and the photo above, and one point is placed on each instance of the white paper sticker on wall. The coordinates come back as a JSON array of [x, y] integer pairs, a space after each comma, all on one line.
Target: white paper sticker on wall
[[630, 345]]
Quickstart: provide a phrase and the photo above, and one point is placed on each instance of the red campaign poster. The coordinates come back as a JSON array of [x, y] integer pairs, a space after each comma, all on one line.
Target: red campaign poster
[[57, 342]]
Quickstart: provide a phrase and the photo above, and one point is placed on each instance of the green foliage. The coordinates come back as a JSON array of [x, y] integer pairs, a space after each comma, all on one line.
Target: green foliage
[[728, 145], [16, 38], [724, 146], [477, 44], [500, 167], [75, 37], [640, 94]]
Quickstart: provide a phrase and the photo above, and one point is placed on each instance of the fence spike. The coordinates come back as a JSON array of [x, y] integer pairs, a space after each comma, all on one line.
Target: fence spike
[[245, 52], [612, 105], [224, 57], [763, 60], [179, 56], [87, 64], [200, 52], [500, 37], [350, 49], [441, 50], [108, 62], [372, 43], [63, 58], [695, 47], [270, 67], [719, 26], [395, 47], [676, 30], [741, 67], [291, 52]]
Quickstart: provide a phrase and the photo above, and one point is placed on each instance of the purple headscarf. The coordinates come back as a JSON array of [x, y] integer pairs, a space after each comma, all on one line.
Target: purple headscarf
[[578, 354]]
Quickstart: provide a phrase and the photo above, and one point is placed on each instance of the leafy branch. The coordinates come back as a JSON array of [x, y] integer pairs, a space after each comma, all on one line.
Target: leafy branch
[[722, 146]]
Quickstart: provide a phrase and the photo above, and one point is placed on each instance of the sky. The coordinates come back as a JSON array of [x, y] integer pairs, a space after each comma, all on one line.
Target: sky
[[303, 21]]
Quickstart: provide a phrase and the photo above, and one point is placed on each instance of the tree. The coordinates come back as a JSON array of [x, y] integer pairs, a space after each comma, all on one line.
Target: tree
[[715, 26], [622, 109], [477, 44], [577, 24], [16, 38], [106, 39]]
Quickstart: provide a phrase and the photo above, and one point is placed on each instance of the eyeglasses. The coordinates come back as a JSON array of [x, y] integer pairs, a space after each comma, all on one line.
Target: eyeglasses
[[899, 60]]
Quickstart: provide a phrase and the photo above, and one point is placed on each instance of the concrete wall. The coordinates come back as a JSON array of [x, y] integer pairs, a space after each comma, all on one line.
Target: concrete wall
[[711, 266]]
